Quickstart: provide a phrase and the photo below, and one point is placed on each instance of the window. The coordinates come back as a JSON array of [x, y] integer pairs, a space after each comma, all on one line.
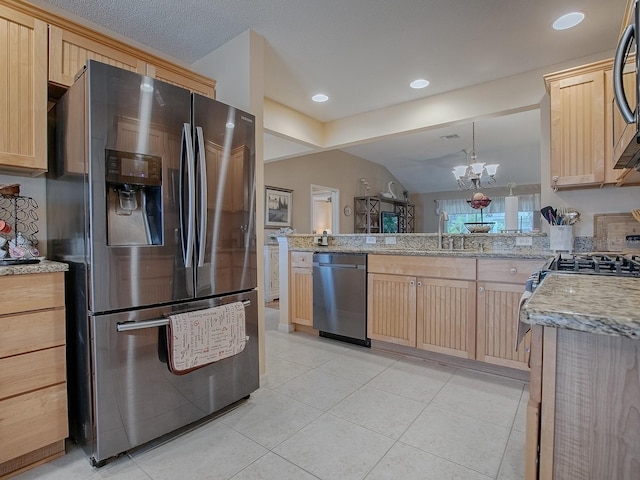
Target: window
[[460, 213]]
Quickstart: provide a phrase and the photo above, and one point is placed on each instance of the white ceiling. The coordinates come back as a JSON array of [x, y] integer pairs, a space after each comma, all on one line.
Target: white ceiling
[[363, 54]]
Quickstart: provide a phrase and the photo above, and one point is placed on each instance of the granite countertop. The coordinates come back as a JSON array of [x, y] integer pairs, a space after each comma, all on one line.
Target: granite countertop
[[46, 266], [427, 253], [589, 303]]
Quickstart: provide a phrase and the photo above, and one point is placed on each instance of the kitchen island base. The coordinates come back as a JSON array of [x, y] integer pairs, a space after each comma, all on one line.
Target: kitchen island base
[[589, 420]]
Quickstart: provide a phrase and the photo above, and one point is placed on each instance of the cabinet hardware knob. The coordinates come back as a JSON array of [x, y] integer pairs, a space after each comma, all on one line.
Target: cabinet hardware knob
[[419, 284], [412, 282], [481, 289]]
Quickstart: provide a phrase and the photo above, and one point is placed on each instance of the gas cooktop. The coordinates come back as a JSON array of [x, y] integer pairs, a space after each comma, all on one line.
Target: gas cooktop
[[596, 264]]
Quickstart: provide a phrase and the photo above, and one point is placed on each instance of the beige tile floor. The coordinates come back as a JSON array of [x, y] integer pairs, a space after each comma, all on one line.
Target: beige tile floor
[[330, 410]]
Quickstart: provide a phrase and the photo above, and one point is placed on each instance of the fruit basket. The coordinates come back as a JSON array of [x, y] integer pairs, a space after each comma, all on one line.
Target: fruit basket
[[479, 202], [479, 227]]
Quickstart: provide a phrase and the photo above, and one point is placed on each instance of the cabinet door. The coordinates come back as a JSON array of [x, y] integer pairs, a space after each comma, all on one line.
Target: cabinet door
[[185, 79], [69, 52], [498, 306], [301, 296], [577, 130], [391, 309], [446, 316], [23, 92], [615, 127]]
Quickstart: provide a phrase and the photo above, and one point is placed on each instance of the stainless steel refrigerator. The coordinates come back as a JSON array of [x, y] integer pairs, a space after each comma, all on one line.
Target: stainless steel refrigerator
[[151, 202]]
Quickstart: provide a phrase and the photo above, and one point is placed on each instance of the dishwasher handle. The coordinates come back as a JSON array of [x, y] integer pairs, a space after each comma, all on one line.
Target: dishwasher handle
[[338, 265]]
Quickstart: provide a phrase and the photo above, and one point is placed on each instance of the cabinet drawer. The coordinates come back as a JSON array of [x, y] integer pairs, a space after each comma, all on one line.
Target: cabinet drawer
[[31, 292], [27, 332], [438, 267], [302, 259], [32, 421], [507, 270], [32, 371]]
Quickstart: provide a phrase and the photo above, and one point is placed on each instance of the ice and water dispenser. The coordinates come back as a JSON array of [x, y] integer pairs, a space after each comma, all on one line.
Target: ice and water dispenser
[[134, 199]]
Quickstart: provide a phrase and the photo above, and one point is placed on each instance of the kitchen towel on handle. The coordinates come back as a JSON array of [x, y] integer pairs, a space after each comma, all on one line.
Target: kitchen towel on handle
[[205, 336]]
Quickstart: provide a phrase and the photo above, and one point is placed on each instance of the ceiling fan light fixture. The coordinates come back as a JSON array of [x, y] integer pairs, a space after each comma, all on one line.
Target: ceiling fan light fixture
[[568, 20], [320, 98], [419, 83]]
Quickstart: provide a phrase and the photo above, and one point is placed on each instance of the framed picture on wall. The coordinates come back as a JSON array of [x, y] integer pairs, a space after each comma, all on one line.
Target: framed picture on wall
[[277, 203]]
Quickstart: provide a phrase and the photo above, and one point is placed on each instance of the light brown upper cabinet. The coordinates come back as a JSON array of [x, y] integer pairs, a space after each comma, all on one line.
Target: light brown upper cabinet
[[578, 126], [23, 92], [69, 52], [585, 123], [184, 78]]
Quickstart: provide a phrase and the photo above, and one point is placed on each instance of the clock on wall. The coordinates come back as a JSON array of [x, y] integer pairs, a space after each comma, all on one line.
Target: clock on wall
[[347, 210]]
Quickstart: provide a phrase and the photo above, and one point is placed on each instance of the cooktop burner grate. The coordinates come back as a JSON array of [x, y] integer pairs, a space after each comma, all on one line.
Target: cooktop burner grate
[[597, 264]]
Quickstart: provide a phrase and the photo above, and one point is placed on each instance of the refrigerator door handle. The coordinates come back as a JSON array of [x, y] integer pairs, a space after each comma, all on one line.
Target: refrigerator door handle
[[158, 322], [202, 164], [187, 147]]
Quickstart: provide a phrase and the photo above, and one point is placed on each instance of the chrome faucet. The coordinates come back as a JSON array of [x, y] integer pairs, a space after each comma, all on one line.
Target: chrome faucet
[[444, 217]]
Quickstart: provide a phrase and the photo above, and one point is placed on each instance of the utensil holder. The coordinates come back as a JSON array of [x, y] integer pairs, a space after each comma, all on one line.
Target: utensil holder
[[561, 238]]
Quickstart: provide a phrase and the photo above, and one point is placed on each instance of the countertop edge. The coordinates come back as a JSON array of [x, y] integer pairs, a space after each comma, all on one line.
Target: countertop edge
[[428, 253], [606, 305], [46, 266]]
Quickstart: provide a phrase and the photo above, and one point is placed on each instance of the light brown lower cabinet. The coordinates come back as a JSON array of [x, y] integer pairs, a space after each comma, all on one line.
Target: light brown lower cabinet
[[501, 283], [301, 288], [423, 302], [436, 304], [446, 316], [33, 389], [391, 308], [589, 387]]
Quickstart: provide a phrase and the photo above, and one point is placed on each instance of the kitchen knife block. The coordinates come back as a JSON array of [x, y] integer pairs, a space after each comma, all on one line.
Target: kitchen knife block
[[561, 238]]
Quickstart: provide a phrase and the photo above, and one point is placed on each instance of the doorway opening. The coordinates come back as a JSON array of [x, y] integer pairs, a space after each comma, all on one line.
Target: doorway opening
[[325, 206]]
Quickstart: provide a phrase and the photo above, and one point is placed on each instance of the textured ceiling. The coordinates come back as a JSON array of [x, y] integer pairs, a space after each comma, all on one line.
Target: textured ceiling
[[363, 53]]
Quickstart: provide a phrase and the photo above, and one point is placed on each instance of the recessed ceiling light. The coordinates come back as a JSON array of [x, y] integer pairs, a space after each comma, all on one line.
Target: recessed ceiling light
[[569, 20], [319, 98], [420, 83]]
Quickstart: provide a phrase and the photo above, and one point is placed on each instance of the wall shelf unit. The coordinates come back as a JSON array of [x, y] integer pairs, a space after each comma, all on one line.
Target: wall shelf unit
[[367, 214]]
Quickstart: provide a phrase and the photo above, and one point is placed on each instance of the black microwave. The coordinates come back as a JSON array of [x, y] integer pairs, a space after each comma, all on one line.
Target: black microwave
[[626, 90]]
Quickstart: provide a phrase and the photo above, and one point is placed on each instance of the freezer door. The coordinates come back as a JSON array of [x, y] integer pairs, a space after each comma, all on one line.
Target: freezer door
[[225, 206], [136, 135], [137, 399]]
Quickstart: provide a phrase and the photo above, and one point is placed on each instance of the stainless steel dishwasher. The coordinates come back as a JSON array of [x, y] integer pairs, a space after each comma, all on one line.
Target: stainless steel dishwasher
[[340, 296]]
